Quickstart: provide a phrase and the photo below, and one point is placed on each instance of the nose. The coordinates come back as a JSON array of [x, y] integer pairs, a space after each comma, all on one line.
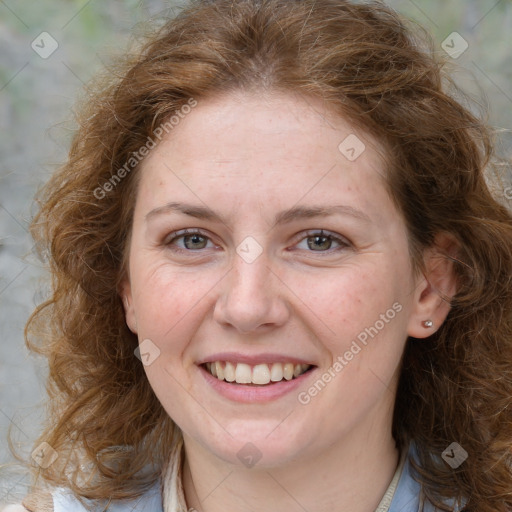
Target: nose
[[252, 297]]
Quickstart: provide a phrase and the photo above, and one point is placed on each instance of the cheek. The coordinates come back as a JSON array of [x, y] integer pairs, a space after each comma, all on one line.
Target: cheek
[[167, 299], [345, 301], [170, 305], [362, 327]]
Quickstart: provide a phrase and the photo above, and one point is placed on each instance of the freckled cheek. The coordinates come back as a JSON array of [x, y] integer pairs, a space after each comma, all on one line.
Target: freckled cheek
[[346, 304], [165, 298]]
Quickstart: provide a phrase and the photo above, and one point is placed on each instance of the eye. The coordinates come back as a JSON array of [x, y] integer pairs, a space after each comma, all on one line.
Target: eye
[[192, 240], [318, 241]]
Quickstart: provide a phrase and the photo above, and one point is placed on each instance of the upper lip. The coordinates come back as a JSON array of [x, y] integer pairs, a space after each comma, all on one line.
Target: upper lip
[[253, 359]]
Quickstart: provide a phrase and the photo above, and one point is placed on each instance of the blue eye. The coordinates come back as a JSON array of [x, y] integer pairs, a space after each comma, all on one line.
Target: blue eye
[[193, 240], [318, 241]]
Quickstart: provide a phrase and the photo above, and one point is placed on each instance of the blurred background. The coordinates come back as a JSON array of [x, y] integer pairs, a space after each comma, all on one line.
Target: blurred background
[[50, 49]]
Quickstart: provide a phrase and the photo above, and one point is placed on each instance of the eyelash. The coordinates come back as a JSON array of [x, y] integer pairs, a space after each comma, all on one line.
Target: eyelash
[[309, 234]]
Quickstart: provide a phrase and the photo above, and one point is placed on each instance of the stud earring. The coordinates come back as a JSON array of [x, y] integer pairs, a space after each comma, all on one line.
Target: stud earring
[[428, 323]]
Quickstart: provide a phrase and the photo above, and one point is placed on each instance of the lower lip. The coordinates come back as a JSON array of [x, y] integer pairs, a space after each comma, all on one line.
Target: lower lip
[[252, 394]]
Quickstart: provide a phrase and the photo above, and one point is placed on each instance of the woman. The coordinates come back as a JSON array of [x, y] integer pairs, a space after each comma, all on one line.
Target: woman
[[280, 279]]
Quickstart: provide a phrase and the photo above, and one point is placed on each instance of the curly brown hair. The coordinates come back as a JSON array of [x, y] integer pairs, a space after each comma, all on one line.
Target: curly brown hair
[[111, 432]]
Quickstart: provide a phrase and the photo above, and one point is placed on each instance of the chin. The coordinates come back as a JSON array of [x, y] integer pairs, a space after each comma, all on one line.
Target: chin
[[258, 444]]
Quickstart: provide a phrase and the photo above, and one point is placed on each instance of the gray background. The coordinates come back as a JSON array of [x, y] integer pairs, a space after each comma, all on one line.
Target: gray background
[[36, 99]]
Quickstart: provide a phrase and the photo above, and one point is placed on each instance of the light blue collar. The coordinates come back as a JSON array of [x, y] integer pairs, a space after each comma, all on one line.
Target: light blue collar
[[406, 498], [408, 494]]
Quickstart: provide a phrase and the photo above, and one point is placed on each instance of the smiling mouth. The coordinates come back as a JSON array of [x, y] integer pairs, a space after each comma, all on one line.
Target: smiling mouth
[[257, 375]]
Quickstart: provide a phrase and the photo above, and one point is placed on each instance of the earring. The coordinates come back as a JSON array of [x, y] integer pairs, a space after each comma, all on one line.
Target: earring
[[428, 323]]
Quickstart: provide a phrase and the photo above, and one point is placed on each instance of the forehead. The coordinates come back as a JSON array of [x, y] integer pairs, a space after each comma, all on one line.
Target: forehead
[[248, 122], [267, 150]]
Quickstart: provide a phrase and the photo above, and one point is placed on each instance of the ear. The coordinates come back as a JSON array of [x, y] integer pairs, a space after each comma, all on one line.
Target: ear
[[125, 293], [435, 287]]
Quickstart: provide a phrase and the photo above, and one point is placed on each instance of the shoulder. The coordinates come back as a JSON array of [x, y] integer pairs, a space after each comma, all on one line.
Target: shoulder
[[408, 496], [37, 502], [62, 500]]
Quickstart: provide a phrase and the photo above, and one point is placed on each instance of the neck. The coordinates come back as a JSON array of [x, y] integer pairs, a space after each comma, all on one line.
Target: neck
[[351, 475]]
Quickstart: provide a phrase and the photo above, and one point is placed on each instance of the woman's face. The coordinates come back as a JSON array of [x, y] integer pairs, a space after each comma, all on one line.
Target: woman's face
[[264, 243]]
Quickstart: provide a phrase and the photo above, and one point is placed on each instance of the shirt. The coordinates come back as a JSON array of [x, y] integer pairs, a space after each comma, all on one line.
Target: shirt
[[402, 495]]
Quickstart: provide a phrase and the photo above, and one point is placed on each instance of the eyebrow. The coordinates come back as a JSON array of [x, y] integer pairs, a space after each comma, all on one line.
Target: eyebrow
[[283, 217]]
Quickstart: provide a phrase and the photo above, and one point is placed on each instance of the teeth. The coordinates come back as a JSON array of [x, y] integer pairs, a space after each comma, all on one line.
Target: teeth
[[229, 372], [219, 371], [276, 373], [260, 374], [288, 371], [243, 373]]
